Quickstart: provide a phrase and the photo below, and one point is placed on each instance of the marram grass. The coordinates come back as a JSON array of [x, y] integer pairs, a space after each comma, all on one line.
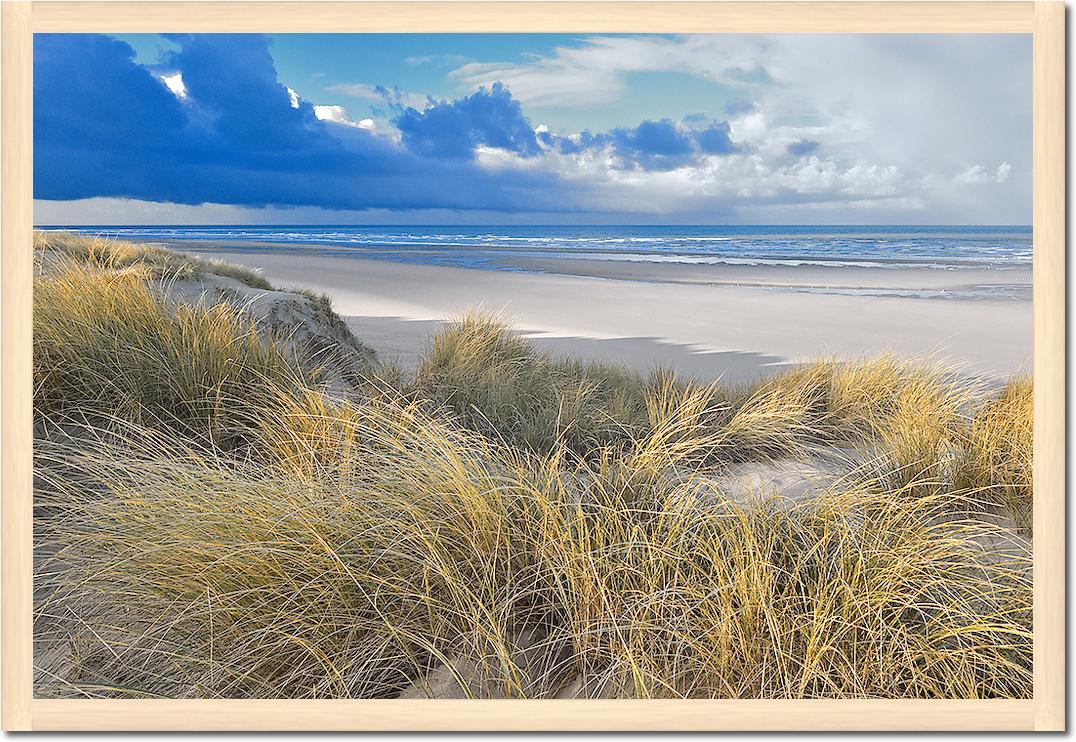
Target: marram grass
[[109, 342], [155, 262], [436, 546], [998, 451], [496, 382], [505, 523]]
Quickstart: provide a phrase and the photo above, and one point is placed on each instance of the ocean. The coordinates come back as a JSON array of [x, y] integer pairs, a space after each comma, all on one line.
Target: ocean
[[494, 247]]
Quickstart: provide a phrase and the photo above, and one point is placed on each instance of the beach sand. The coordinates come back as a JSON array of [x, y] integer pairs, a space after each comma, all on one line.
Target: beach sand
[[708, 321]]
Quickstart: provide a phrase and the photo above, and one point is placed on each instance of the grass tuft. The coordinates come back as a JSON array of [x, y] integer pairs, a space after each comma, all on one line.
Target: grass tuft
[[494, 381], [152, 261], [107, 343], [998, 453]]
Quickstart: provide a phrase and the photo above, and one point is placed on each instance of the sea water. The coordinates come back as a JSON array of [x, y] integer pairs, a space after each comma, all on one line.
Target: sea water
[[495, 247]]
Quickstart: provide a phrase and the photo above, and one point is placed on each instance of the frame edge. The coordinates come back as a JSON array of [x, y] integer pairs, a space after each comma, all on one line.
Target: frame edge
[[517, 715], [19, 709], [468, 16], [16, 368], [1049, 363]]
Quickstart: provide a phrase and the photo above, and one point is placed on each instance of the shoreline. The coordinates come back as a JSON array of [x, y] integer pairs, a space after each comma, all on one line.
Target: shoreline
[[731, 331], [921, 278]]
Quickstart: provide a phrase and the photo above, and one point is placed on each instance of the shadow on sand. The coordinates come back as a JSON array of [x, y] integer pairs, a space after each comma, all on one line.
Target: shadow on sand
[[404, 340]]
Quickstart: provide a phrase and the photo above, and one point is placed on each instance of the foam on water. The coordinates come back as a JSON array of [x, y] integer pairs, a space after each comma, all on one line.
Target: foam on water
[[493, 247]]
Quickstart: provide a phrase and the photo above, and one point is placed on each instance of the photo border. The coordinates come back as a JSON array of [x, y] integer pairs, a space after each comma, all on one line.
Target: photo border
[[1045, 20]]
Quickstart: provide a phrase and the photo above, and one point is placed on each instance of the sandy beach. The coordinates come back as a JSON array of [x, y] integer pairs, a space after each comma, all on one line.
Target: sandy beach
[[732, 322]]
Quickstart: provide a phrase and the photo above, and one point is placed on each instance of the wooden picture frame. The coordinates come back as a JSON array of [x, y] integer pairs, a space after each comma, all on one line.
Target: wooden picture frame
[[1044, 20]]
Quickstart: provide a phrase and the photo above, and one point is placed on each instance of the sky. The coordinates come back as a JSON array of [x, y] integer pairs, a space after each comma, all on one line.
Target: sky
[[532, 129]]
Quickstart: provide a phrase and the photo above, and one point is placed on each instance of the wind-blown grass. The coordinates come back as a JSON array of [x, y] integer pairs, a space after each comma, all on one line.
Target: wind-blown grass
[[497, 383], [998, 453], [433, 546], [107, 342], [506, 523], [153, 261]]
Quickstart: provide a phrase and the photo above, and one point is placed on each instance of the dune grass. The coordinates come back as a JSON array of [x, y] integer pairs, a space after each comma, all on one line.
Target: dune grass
[[522, 525], [152, 261], [497, 383], [525, 574], [107, 343], [998, 454]]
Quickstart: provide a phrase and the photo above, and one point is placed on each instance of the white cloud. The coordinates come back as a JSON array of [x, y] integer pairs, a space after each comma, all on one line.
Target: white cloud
[[295, 98], [174, 82], [978, 175], [893, 116], [745, 178], [339, 115], [596, 72]]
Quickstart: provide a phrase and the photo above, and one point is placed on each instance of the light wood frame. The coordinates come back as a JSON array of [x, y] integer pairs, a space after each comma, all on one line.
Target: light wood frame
[[1045, 20]]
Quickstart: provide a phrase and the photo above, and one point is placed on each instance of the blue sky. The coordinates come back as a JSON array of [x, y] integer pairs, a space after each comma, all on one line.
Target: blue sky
[[533, 128]]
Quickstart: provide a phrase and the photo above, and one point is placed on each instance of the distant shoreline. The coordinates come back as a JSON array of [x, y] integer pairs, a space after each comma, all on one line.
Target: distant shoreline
[[893, 277]]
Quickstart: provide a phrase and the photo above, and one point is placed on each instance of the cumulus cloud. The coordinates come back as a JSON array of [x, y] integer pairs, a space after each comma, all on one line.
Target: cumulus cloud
[[105, 126], [652, 145], [90, 98], [339, 115], [333, 114], [724, 185], [716, 139], [455, 129], [925, 103]]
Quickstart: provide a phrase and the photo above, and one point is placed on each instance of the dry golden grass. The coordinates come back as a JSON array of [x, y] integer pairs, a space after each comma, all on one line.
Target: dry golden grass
[[998, 452], [496, 382], [155, 262], [107, 342], [563, 530], [617, 575]]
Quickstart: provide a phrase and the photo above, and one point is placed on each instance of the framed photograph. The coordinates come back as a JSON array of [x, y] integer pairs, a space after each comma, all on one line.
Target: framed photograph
[[533, 366]]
